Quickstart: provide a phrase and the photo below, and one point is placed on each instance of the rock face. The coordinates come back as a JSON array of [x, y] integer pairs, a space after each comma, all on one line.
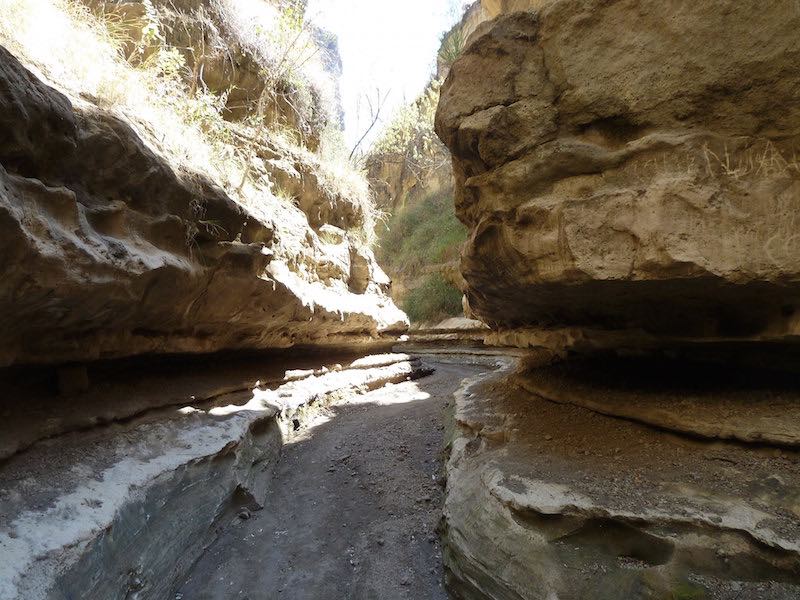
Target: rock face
[[551, 501], [106, 250], [121, 507], [614, 157], [492, 8], [627, 172]]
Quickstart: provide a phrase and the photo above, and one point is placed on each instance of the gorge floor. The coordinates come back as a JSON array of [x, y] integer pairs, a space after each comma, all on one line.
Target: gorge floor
[[326, 482], [353, 508]]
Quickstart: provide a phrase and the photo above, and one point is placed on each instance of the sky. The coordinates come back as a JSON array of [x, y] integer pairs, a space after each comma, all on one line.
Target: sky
[[390, 45]]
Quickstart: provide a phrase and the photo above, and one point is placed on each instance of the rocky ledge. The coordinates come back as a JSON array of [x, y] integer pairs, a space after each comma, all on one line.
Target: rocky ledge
[[108, 250], [560, 499], [122, 507]]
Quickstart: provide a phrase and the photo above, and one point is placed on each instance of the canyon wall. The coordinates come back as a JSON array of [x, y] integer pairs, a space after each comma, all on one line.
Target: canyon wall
[[628, 176], [493, 8], [112, 246], [610, 159], [165, 189]]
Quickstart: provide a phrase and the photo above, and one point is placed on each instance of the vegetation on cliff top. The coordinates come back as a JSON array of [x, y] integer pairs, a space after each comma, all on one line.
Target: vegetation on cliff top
[[410, 174], [137, 69]]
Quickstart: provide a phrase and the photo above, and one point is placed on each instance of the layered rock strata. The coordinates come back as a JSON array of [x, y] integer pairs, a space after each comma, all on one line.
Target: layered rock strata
[[547, 500], [627, 172], [123, 508], [611, 158], [107, 249]]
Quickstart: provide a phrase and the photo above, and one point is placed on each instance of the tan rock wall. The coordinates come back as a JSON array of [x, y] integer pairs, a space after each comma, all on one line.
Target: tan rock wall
[[630, 165], [494, 8], [108, 250]]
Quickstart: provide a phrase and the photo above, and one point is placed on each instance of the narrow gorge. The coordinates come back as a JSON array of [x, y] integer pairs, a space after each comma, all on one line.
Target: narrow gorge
[[531, 335]]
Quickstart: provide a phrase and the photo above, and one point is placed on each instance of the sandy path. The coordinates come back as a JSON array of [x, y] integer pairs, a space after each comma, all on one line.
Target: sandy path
[[353, 509]]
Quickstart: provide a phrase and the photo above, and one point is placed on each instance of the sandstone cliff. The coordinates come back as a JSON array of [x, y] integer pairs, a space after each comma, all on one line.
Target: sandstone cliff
[[611, 160], [111, 245], [627, 172], [493, 8], [163, 192]]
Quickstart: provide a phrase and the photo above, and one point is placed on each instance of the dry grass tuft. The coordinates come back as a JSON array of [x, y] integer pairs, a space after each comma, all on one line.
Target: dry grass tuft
[[85, 55], [760, 160]]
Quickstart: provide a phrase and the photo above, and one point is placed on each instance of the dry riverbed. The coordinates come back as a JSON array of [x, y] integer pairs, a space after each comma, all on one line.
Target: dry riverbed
[[353, 508], [239, 477]]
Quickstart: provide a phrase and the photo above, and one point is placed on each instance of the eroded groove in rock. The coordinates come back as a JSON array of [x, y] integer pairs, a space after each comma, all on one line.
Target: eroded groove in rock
[[125, 509], [547, 500], [172, 383], [758, 406]]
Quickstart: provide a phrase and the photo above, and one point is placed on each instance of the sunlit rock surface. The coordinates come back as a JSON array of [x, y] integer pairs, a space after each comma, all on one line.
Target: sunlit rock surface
[[612, 158], [120, 505], [108, 250]]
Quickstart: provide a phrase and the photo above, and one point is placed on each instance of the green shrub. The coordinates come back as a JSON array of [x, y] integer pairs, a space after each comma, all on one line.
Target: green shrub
[[452, 45], [688, 591], [424, 233], [434, 300]]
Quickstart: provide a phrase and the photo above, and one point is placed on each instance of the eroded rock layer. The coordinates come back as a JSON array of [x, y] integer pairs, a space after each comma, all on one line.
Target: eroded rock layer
[[547, 501], [121, 507], [628, 174], [107, 250], [614, 157]]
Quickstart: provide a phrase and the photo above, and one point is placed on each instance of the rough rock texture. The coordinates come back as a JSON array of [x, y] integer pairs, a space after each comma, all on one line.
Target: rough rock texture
[[493, 8], [107, 250], [627, 172], [549, 501], [711, 401], [612, 157], [122, 509], [235, 48]]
